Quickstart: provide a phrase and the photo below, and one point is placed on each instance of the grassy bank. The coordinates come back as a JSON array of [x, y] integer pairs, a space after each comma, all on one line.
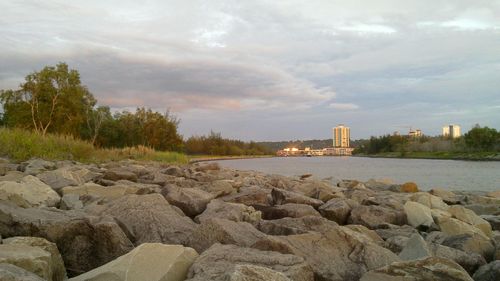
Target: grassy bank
[[20, 145], [444, 155]]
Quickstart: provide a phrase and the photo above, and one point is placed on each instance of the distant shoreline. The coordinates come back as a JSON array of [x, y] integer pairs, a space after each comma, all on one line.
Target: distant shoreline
[[470, 157], [220, 158]]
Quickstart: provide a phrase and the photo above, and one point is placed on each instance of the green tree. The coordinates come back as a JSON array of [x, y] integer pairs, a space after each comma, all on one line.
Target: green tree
[[50, 100], [482, 138]]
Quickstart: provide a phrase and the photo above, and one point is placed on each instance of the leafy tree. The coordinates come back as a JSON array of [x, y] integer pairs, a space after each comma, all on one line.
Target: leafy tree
[[482, 139], [50, 100]]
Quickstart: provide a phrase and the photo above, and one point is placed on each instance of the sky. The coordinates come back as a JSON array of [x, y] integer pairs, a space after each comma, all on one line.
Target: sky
[[271, 70]]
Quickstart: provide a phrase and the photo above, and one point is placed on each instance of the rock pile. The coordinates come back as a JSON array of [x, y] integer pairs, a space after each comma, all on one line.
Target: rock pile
[[150, 221]]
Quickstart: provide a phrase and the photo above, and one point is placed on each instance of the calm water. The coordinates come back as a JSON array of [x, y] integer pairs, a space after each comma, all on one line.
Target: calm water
[[450, 174]]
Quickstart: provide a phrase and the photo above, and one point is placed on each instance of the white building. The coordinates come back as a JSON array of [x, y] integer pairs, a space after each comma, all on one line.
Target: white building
[[341, 136], [452, 131]]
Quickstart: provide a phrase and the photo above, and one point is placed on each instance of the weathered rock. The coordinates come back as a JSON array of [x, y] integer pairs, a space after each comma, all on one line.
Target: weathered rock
[[107, 192], [338, 254], [208, 167], [191, 201], [149, 261], [496, 240], [484, 209], [36, 166], [470, 217], [293, 210], [173, 171], [229, 211], [396, 243], [12, 176], [224, 262], [447, 196], [32, 259], [250, 196], [290, 226], [337, 209], [438, 214], [147, 219], [84, 242], [429, 200], [373, 216], [469, 261], [418, 214], [409, 187], [29, 192], [67, 176], [281, 196], [389, 230], [56, 262], [245, 272], [120, 173], [415, 248], [471, 244], [316, 189], [219, 188], [225, 232], [10, 272], [452, 226], [371, 234], [436, 269], [71, 202], [494, 221], [488, 272]]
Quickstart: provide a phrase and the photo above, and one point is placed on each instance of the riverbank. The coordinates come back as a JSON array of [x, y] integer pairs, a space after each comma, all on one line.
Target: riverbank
[[204, 222], [467, 156], [206, 158]]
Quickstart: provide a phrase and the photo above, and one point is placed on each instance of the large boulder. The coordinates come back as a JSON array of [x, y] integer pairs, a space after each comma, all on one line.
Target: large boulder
[[56, 261], [29, 192], [245, 272], [71, 202], [374, 216], [10, 272], [30, 258], [432, 268], [337, 209], [251, 195], [471, 218], [294, 210], [488, 272], [418, 214], [147, 219], [120, 173], [316, 189], [469, 261], [36, 166], [415, 248], [230, 211], [67, 176], [219, 188], [191, 201], [106, 192], [281, 196], [225, 232], [149, 261], [452, 226], [338, 254], [447, 196], [429, 200], [494, 221], [223, 262], [290, 226], [85, 242], [474, 243]]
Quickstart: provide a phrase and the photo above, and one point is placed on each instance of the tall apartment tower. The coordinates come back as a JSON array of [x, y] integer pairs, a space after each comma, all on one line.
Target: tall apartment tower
[[452, 131], [341, 136]]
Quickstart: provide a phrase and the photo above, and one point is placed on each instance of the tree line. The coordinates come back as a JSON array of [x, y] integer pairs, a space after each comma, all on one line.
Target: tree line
[[53, 100], [478, 139]]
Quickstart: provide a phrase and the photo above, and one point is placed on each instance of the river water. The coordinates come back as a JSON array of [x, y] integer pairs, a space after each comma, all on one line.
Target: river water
[[449, 174]]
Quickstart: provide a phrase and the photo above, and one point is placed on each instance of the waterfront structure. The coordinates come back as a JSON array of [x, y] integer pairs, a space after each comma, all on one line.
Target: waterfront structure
[[341, 136], [452, 131]]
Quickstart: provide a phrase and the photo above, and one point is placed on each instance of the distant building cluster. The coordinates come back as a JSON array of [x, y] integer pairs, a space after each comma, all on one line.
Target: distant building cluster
[[452, 131], [341, 146]]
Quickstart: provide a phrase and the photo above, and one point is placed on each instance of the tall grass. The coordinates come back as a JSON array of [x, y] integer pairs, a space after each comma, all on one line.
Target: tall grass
[[20, 145]]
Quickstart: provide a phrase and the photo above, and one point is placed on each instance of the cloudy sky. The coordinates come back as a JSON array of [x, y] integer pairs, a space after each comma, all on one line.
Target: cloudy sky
[[271, 70]]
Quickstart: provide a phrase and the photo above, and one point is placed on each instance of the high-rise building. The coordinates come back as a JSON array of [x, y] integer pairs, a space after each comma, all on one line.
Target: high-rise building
[[452, 131], [341, 136]]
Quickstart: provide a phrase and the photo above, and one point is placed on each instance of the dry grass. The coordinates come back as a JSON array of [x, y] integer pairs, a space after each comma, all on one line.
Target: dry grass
[[21, 145]]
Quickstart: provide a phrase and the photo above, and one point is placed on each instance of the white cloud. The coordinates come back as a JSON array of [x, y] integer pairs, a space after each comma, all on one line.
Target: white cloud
[[343, 106]]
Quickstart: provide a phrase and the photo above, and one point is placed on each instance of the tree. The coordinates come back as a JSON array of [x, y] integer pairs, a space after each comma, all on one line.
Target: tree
[[51, 100], [482, 139]]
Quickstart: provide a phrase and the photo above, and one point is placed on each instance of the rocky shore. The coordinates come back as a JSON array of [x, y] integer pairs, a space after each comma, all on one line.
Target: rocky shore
[[150, 221]]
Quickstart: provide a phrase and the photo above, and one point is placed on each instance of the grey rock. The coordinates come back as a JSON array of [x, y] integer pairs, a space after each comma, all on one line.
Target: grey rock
[[389, 230], [67, 176], [374, 216], [281, 196], [291, 226], [488, 272], [250, 196], [71, 202], [36, 166], [471, 244], [224, 262], [493, 220], [147, 219], [10, 272], [338, 254], [484, 209], [230, 211], [469, 261], [337, 209], [121, 173], [191, 201], [225, 232], [415, 248]]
